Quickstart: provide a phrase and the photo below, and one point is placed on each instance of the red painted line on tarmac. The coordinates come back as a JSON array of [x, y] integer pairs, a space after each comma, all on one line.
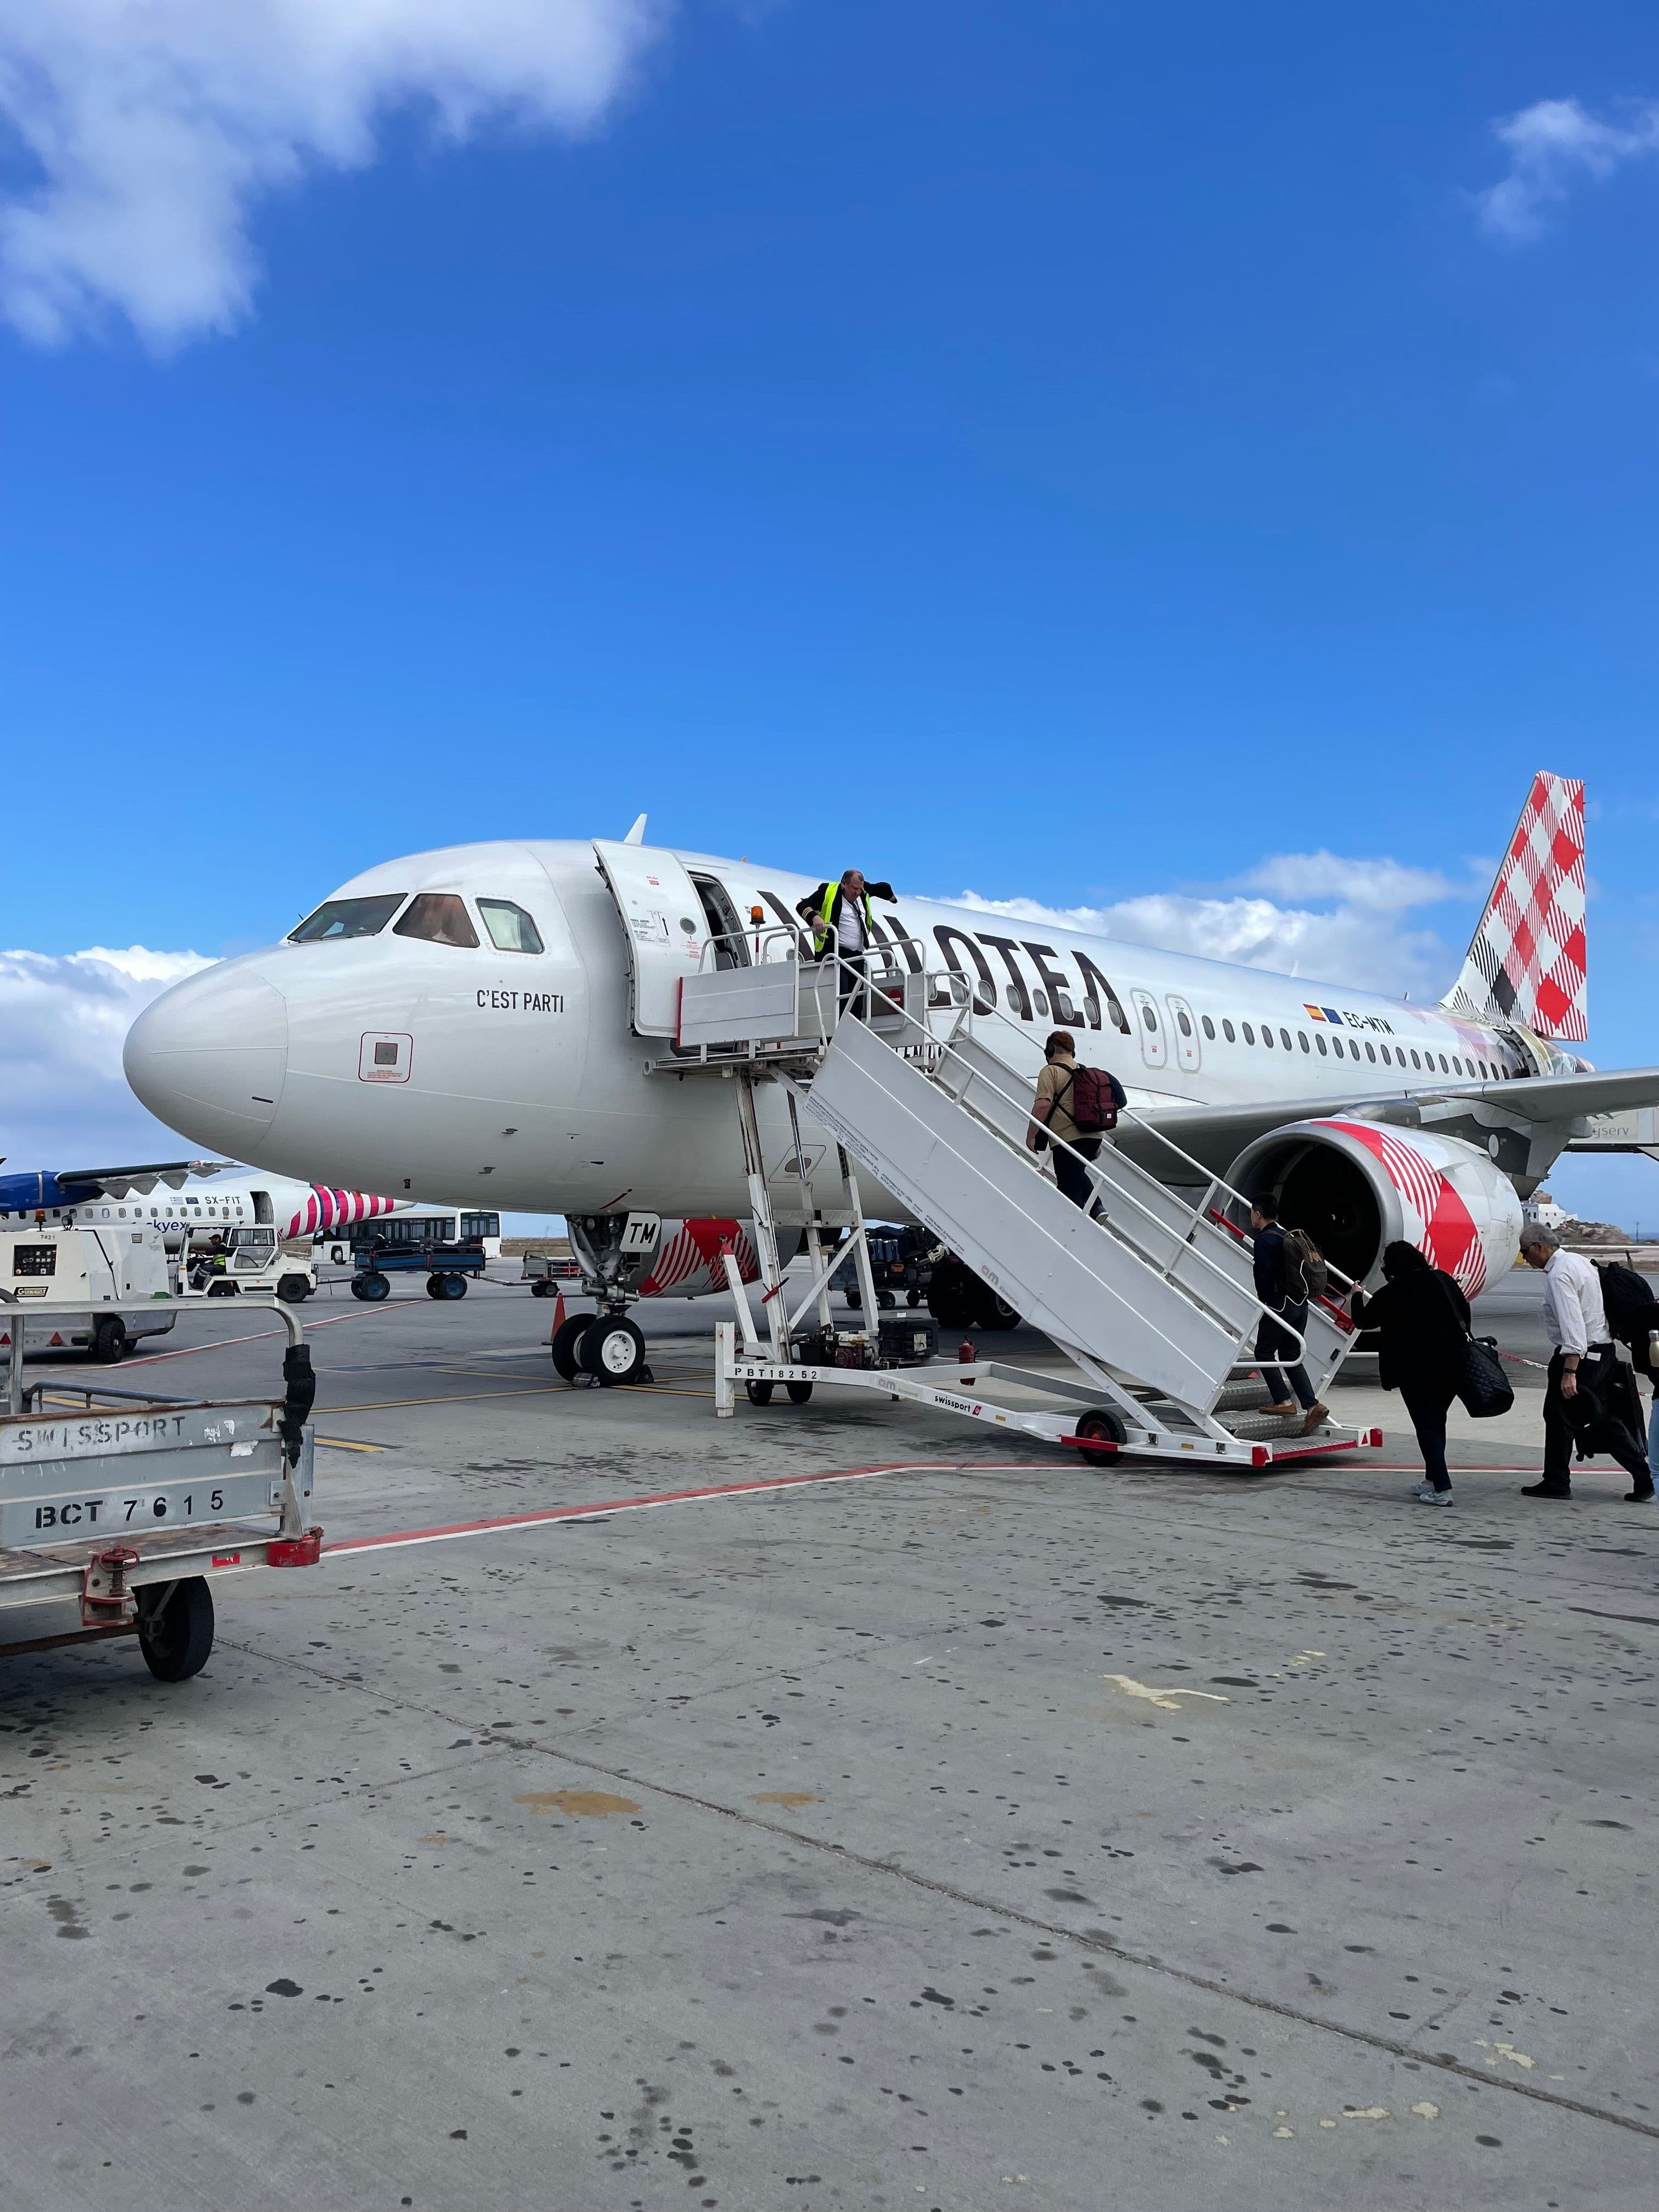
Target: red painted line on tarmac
[[259, 1336], [640, 1504]]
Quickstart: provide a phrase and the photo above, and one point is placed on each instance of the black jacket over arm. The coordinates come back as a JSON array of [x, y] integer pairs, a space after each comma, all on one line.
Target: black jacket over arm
[[1423, 1320]]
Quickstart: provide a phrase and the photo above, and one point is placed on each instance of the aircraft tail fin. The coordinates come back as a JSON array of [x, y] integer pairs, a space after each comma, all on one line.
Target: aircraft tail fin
[[1526, 960]]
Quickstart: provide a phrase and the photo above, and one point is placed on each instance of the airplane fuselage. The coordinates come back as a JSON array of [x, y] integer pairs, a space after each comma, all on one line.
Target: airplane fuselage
[[470, 1073]]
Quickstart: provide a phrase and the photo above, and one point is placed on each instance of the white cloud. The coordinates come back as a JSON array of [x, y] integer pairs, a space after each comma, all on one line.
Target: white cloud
[[1363, 937], [154, 125], [1552, 145], [63, 1021]]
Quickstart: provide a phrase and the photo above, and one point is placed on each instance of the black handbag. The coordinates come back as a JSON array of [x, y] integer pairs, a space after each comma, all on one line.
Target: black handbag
[[1483, 1388]]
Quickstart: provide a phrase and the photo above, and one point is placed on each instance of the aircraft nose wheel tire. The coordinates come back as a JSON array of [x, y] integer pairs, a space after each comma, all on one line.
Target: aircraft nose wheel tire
[[613, 1350], [566, 1346], [1107, 1428], [175, 1637], [759, 1393]]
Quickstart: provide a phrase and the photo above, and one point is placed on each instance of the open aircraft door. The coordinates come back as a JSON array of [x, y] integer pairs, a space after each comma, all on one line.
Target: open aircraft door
[[663, 922]]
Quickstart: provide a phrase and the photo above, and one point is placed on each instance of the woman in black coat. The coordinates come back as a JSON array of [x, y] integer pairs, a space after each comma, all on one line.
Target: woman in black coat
[[1422, 1318]]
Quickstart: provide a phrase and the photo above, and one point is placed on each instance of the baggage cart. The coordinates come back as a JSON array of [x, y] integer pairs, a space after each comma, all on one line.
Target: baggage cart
[[128, 1507]]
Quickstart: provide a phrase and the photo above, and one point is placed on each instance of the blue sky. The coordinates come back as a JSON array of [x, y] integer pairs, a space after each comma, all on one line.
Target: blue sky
[[1068, 452]]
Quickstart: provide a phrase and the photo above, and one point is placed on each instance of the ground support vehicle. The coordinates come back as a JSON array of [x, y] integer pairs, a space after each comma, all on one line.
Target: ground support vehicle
[[446, 1266], [1147, 1290], [904, 1261], [130, 1507], [253, 1260], [547, 1274], [94, 1289]]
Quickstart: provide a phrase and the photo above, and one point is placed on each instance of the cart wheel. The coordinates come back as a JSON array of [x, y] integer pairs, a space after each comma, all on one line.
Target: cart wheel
[[613, 1350], [912, 1298], [357, 1290], [566, 1345], [994, 1312], [885, 1300], [375, 1287], [451, 1286], [853, 1299], [176, 1638], [1110, 1430], [109, 1339], [759, 1393], [223, 1290], [799, 1392], [434, 1287], [293, 1290], [541, 1289]]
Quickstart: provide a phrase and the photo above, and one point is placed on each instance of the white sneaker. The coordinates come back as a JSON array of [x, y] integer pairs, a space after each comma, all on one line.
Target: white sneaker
[[1426, 1494]]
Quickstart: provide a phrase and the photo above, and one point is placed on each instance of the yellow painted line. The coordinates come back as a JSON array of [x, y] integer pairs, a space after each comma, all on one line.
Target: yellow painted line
[[345, 1444]]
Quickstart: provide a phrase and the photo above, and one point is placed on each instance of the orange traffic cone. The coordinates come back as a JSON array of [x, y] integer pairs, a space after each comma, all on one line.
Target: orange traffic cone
[[558, 1316]]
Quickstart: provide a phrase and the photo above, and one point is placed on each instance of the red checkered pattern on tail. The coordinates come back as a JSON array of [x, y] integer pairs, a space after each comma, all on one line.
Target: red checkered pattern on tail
[[1526, 960]]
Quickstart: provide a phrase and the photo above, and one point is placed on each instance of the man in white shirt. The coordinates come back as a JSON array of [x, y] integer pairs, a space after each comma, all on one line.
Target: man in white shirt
[[1580, 1367]]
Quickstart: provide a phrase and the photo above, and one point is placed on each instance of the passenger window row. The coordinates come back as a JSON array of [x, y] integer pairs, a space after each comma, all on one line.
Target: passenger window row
[[1391, 1055], [435, 917]]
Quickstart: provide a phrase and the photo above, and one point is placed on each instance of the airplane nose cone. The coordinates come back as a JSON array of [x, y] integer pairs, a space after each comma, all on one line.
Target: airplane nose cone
[[209, 1057]]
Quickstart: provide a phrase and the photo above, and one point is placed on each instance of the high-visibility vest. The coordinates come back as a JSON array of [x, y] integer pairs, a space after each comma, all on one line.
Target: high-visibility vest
[[823, 928]]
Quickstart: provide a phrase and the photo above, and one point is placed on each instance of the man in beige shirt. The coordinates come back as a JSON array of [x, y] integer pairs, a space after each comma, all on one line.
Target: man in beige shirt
[[1050, 1120]]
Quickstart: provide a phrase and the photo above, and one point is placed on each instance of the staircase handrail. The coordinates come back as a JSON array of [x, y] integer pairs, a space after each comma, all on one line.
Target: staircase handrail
[[858, 969]]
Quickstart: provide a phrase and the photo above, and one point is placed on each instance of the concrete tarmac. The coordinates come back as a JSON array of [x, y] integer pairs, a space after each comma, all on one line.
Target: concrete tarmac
[[994, 1830]]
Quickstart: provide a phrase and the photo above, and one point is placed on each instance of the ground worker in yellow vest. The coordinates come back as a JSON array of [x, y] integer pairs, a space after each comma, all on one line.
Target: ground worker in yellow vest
[[842, 924]]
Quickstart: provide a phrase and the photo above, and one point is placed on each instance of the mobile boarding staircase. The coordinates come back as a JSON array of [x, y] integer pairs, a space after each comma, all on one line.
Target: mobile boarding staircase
[[1149, 1293]]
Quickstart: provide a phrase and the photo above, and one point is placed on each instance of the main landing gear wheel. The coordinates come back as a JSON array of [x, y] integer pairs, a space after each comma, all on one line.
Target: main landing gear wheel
[[759, 1393], [994, 1312], [371, 1288], [177, 1636], [1107, 1428], [566, 1345], [799, 1392], [613, 1350]]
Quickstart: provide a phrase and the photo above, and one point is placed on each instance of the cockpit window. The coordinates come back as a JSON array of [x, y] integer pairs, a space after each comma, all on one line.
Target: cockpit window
[[348, 917], [440, 918], [511, 929]]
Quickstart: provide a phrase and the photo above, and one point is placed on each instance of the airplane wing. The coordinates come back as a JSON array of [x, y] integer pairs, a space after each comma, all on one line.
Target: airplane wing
[[120, 1183], [1215, 1135]]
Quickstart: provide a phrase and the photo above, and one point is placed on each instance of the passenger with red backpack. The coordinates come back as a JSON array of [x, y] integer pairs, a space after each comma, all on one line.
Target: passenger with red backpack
[[1075, 1107]]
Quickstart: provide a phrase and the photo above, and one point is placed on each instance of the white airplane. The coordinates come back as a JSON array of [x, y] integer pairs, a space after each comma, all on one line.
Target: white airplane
[[480, 1022], [181, 1197]]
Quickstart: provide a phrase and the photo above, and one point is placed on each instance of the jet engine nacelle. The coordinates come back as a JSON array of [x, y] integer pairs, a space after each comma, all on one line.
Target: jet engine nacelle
[[1357, 1186]]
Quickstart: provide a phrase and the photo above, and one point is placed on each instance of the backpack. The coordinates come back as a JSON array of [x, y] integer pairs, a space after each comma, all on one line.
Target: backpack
[[1094, 1098], [1304, 1262], [1630, 1306]]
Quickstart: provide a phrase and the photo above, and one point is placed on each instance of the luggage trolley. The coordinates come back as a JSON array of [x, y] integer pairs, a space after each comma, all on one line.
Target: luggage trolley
[[129, 1506]]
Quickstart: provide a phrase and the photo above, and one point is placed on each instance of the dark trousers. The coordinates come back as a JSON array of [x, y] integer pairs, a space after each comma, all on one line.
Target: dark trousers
[[1070, 1173], [1273, 1343], [1558, 1428], [850, 984], [1428, 1403]]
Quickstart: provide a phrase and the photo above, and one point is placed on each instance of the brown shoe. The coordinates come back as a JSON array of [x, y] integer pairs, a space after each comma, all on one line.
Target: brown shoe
[[1313, 1417], [1283, 1412]]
